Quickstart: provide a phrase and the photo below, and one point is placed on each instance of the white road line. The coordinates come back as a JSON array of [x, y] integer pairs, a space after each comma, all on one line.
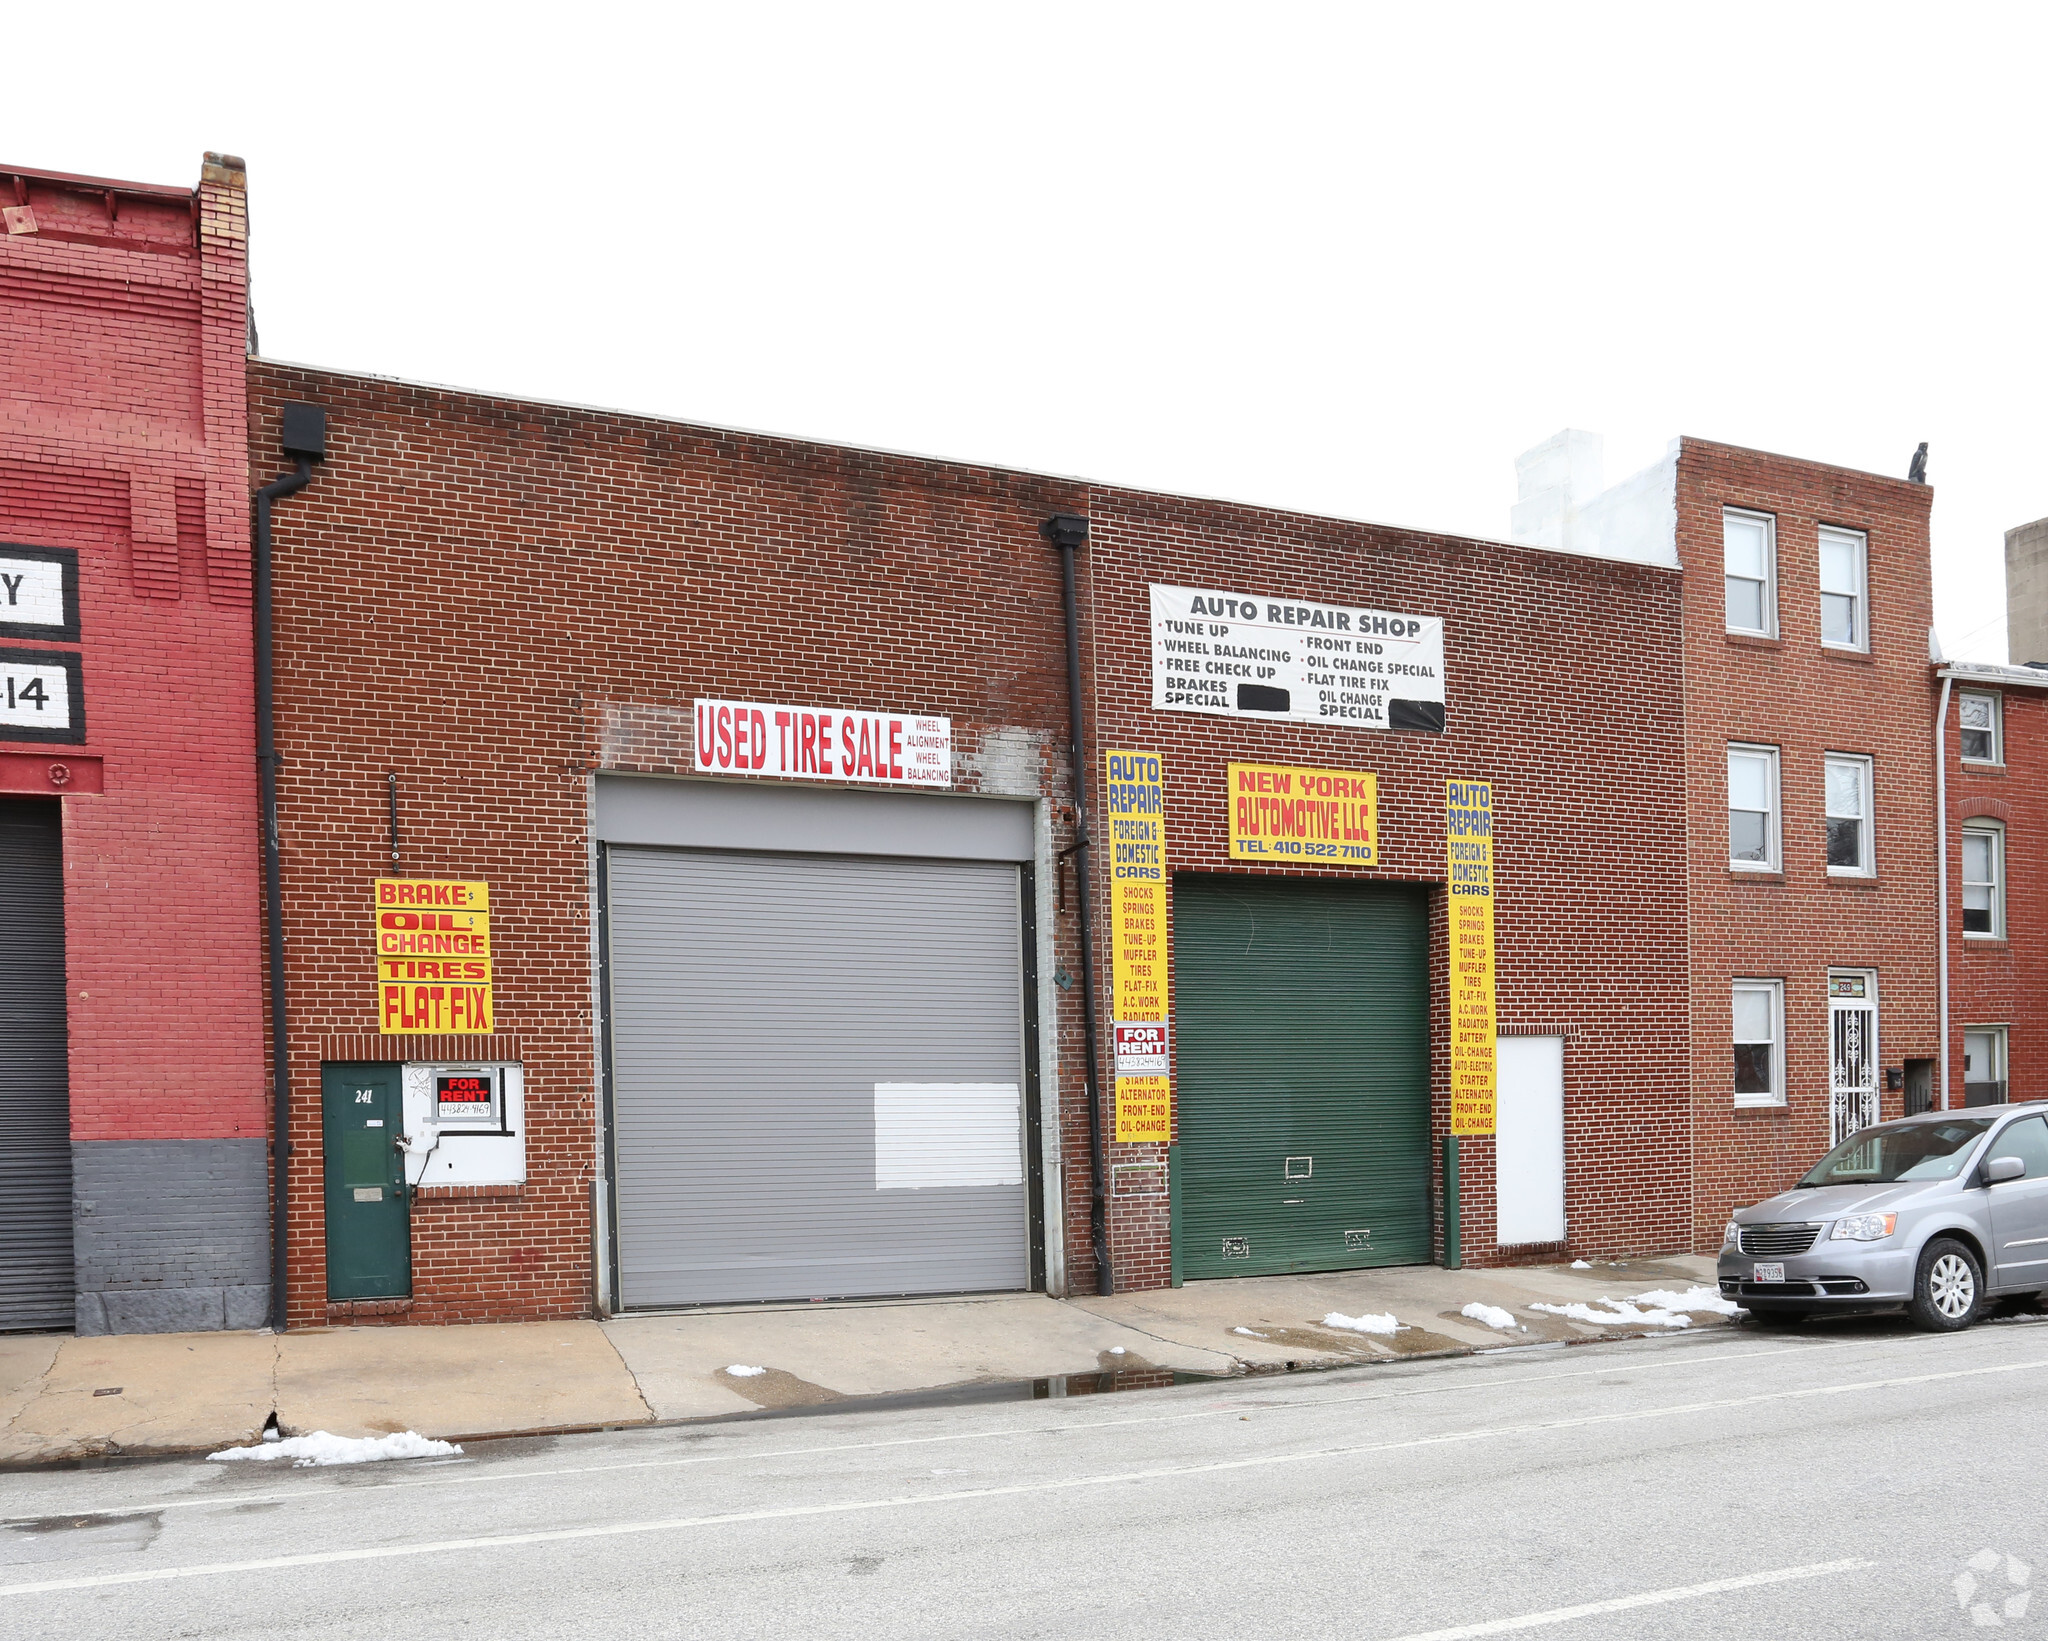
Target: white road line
[[564, 1535], [1649, 1598], [472, 1478]]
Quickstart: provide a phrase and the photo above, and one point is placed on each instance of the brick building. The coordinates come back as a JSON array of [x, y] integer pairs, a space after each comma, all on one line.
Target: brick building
[[1810, 905], [507, 633], [683, 864], [1994, 743], [133, 1172]]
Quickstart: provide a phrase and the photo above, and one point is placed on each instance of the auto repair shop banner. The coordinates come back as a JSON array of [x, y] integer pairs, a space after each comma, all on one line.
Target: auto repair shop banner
[[433, 956], [822, 744], [1468, 847], [1284, 814], [1134, 808], [1242, 656]]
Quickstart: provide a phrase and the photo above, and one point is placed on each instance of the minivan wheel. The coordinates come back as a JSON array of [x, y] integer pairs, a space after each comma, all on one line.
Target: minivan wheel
[[1949, 1290]]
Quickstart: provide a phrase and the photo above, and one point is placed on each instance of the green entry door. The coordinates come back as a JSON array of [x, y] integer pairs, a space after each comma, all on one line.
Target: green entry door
[[1301, 1026], [369, 1236]]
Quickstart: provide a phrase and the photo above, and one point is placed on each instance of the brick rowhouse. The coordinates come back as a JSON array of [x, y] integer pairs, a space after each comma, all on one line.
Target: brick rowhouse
[[123, 443], [1997, 813], [1801, 923]]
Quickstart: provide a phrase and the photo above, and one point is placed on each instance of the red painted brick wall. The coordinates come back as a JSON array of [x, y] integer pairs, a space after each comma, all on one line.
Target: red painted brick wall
[[1791, 693], [122, 328], [494, 598], [2003, 982], [1563, 690]]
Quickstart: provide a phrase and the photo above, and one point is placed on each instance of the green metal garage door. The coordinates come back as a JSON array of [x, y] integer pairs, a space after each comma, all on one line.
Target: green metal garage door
[[1302, 1026]]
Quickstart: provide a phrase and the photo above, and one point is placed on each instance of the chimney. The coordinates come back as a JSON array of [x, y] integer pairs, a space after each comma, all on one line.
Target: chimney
[[2026, 593], [1552, 481]]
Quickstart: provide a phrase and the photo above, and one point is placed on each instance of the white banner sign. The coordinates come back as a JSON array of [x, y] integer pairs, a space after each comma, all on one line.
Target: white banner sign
[[822, 744], [1243, 657]]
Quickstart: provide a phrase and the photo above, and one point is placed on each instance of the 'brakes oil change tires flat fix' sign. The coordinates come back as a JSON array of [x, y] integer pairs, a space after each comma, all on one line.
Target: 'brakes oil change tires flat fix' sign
[[433, 956], [1237, 655]]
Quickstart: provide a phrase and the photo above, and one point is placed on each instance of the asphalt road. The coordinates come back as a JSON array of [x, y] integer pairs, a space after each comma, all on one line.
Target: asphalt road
[[1832, 1483]]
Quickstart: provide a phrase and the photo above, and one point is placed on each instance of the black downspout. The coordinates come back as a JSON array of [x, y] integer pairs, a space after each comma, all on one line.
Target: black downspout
[[304, 438], [1067, 532]]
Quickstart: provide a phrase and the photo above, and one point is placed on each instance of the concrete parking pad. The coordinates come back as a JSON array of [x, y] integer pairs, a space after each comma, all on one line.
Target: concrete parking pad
[[868, 1350], [1269, 1321], [169, 1392], [453, 1381]]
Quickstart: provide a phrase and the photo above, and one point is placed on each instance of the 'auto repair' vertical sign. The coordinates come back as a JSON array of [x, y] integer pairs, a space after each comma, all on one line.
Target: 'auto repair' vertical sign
[[1134, 808], [433, 956]]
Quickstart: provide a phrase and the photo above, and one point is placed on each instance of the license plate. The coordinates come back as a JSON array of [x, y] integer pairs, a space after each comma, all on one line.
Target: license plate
[[1767, 1273]]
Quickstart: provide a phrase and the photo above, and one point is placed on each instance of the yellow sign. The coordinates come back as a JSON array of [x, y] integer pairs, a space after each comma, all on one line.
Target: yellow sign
[[1134, 810], [413, 1011], [1283, 813], [433, 894], [1468, 849], [461, 971], [433, 943]]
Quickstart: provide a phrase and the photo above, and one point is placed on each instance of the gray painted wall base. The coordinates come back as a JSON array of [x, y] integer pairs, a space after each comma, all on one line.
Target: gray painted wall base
[[171, 1236]]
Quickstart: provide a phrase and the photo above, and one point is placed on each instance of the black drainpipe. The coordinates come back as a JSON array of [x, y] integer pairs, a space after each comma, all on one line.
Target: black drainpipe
[[1067, 532], [304, 436]]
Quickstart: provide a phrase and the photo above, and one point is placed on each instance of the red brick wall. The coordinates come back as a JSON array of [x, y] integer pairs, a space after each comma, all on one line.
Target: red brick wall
[[122, 326], [493, 599], [1791, 693], [2003, 982], [1563, 690]]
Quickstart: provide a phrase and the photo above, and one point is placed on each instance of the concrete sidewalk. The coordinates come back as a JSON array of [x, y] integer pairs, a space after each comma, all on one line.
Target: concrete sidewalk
[[66, 1398]]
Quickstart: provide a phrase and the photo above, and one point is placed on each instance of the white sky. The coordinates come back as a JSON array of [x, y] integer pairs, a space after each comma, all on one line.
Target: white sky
[[1349, 259]]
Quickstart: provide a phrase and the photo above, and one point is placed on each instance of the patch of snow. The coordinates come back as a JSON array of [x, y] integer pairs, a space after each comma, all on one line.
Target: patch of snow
[[740, 1371], [321, 1448], [1368, 1323], [1693, 1299], [1116, 1350], [1581, 1265], [1492, 1315], [1620, 1314], [1247, 1332]]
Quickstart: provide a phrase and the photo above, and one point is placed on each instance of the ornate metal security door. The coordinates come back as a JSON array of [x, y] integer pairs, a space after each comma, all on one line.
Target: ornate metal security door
[[1853, 1058]]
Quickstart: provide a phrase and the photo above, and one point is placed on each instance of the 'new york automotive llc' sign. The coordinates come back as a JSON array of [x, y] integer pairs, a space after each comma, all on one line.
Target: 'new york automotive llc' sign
[[822, 744], [1240, 656]]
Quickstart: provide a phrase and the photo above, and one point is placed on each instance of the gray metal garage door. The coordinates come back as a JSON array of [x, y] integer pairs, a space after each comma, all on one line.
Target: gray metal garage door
[[817, 1069], [35, 1107]]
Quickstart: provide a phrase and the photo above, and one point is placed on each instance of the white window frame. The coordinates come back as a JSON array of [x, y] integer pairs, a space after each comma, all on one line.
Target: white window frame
[[2001, 1055], [1775, 830], [1770, 595], [1860, 540], [1776, 991], [1868, 851], [1864, 1104], [1984, 826], [1997, 702]]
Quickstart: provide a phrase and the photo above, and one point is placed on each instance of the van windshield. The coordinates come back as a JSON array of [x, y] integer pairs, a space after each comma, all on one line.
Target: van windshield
[[1899, 1152]]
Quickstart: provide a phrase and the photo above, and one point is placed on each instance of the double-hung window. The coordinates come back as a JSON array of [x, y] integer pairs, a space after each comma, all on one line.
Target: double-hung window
[[1978, 713], [1844, 589], [1984, 880], [1753, 808], [1749, 558], [1848, 816], [1758, 1012]]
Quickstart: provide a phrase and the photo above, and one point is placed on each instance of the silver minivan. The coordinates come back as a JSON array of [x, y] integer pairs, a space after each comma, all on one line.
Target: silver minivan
[[1938, 1213]]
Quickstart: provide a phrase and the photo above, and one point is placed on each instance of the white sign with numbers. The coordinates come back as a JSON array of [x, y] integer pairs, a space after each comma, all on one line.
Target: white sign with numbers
[[39, 696]]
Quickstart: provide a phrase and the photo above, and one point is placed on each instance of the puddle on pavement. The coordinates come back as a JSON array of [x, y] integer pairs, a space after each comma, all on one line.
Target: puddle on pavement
[[69, 1537]]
